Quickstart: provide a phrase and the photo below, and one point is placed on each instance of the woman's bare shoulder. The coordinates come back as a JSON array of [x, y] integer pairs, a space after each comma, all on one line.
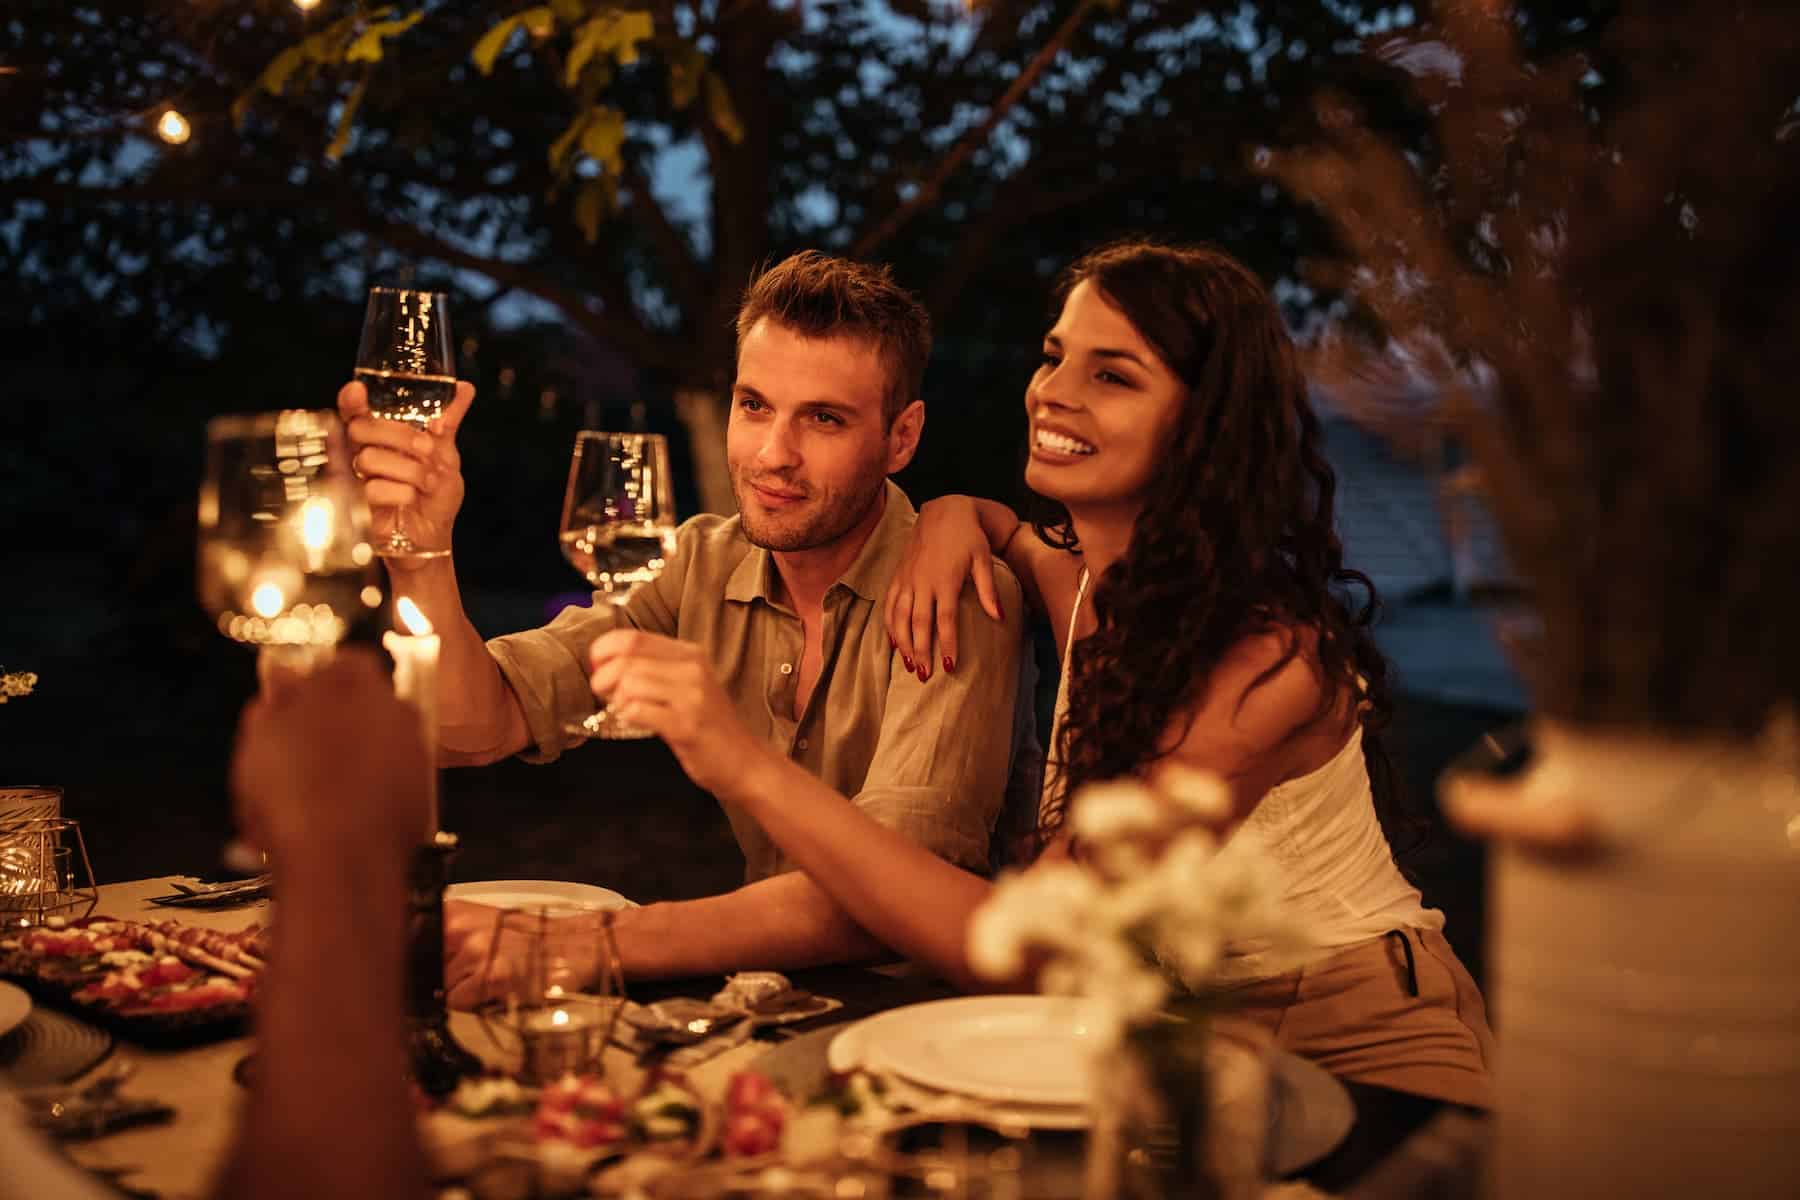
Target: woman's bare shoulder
[[1048, 574]]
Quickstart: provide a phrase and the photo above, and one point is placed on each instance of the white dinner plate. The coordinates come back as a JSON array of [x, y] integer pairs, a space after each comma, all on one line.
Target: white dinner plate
[[15, 1006], [521, 893], [1025, 1050]]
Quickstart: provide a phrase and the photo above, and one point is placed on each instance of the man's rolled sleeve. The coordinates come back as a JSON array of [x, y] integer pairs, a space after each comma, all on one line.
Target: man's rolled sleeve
[[546, 668], [940, 769]]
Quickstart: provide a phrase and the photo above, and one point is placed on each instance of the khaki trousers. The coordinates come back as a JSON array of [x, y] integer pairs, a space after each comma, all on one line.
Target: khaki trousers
[[1398, 1011]]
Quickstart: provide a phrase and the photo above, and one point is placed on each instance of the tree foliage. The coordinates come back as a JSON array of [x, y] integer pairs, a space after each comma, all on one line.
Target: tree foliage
[[630, 164], [626, 166]]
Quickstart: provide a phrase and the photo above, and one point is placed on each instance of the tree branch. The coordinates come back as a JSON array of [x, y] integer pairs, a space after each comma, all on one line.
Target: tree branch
[[623, 329], [974, 139], [685, 274]]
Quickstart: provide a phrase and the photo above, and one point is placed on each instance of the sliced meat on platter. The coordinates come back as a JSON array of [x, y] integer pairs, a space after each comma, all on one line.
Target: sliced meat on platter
[[131, 969]]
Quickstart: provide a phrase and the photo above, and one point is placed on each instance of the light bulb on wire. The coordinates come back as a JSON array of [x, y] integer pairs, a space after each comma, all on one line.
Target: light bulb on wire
[[173, 128], [306, 5]]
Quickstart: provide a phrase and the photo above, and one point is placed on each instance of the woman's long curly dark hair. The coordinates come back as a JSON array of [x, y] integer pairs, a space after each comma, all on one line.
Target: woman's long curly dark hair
[[1238, 533]]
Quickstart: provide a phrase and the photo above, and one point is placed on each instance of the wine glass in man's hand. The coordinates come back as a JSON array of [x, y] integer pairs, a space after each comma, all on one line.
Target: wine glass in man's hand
[[617, 529], [405, 363]]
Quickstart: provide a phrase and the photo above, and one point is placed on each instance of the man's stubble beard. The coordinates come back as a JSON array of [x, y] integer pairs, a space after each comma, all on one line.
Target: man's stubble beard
[[836, 517]]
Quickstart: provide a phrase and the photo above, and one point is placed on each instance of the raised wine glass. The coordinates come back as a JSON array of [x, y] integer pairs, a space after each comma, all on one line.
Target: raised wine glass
[[284, 557], [405, 362], [618, 529]]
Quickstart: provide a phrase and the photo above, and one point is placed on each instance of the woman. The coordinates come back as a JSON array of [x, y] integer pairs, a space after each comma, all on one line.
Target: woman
[[1192, 582]]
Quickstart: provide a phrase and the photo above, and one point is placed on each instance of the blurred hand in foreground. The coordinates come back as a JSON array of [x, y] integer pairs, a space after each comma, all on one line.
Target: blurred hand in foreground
[[329, 761]]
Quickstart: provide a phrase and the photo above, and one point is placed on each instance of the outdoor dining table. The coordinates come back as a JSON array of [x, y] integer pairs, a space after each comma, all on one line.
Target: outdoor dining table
[[178, 1159]]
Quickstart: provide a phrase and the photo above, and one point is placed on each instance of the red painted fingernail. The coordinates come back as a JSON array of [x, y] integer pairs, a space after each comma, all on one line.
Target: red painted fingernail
[[923, 675], [908, 662], [949, 665], [892, 644]]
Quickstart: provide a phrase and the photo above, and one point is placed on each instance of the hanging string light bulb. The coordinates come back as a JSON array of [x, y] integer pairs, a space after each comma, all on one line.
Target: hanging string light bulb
[[172, 127], [306, 5]]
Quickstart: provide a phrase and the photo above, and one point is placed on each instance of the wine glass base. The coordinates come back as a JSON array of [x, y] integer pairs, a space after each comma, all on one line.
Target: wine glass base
[[607, 728]]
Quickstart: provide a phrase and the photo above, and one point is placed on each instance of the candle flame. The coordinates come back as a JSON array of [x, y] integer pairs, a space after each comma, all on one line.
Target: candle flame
[[559, 1017], [411, 617], [317, 516], [267, 600], [172, 128]]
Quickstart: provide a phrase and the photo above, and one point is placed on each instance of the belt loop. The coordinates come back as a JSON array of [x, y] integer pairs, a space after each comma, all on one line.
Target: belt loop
[[1412, 969]]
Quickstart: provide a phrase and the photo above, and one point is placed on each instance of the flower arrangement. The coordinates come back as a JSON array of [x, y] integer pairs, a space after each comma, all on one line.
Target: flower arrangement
[[14, 684], [1140, 928], [1150, 911]]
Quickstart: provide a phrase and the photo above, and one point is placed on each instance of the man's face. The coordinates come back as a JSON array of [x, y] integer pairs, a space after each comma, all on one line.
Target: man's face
[[807, 446]]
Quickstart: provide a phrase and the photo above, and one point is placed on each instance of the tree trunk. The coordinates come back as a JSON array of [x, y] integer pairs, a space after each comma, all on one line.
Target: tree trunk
[[702, 413]]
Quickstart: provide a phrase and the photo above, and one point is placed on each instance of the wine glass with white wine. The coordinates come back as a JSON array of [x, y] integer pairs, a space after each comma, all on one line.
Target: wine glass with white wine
[[285, 563], [405, 363], [617, 529]]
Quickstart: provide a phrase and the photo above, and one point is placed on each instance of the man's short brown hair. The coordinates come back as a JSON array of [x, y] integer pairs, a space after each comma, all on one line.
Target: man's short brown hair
[[818, 295]]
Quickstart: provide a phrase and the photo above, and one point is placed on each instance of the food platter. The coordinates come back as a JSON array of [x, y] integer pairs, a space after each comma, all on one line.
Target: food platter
[[156, 982]]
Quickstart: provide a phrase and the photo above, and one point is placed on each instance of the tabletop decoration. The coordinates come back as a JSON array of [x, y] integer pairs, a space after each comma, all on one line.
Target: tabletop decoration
[[582, 1133], [415, 647], [45, 873], [438, 1060], [555, 989], [1597, 249], [1140, 928]]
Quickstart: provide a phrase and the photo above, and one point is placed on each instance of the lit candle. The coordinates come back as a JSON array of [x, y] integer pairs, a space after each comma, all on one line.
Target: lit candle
[[415, 681], [557, 1041]]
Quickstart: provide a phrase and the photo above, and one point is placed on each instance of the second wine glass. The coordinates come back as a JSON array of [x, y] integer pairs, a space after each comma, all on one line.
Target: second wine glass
[[405, 363], [617, 529], [284, 562]]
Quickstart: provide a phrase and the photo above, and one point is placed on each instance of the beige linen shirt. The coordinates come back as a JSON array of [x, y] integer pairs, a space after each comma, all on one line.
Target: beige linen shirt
[[928, 760]]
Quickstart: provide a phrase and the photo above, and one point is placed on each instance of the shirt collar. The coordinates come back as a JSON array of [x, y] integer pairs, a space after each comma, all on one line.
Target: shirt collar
[[868, 573]]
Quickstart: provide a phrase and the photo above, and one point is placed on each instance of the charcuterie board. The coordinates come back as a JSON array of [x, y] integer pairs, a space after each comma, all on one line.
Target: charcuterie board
[[153, 982]]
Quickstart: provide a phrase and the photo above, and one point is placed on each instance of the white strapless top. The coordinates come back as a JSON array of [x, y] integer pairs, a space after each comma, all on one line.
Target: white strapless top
[[1338, 873]]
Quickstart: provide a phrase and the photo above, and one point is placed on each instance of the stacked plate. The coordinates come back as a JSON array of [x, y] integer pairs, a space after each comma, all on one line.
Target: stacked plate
[[1028, 1060]]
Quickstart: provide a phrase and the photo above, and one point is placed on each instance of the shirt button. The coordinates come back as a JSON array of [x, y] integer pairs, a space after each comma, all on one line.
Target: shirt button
[[787, 668], [801, 743]]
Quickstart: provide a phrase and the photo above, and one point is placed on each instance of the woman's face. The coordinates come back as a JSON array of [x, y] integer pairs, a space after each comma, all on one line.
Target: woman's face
[[1102, 406]]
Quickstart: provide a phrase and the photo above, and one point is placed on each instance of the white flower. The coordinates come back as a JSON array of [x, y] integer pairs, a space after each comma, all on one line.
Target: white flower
[[1107, 812], [1202, 794], [1156, 882], [1034, 908]]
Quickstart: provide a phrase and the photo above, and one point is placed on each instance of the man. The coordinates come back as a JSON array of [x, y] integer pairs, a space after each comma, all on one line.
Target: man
[[780, 605]]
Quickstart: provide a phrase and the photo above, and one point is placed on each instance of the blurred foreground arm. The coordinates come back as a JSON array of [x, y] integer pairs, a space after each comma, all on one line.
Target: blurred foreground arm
[[330, 777]]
